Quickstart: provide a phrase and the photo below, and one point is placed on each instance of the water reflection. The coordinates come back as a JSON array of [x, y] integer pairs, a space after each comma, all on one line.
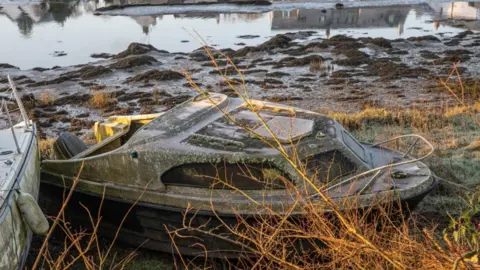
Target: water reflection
[[376, 17], [469, 12], [35, 30], [457, 10], [162, 2], [26, 15], [338, 19]]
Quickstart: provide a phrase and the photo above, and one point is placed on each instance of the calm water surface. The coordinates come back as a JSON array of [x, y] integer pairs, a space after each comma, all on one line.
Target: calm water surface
[[33, 33]]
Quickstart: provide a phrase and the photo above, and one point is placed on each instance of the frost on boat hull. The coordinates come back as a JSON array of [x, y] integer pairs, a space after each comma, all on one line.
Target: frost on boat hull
[[194, 156]]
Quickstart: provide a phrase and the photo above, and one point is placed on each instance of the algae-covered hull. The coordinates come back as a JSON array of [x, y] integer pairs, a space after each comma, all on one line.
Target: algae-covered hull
[[152, 226], [222, 156], [24, 175]]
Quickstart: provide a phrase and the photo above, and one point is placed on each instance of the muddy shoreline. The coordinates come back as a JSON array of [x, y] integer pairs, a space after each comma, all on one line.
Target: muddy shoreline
[[340, 74]]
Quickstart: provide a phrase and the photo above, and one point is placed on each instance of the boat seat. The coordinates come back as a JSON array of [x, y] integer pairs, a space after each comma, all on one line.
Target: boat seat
[[113, 133], [109, 135]]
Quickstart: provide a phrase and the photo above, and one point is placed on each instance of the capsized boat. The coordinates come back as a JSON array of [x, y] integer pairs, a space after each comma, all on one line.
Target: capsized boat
[[200, 153], [20, 214]]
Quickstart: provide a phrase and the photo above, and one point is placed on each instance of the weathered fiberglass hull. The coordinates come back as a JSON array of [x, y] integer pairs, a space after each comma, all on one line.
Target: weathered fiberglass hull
[[15, 235], [194, 156], [151, 225]]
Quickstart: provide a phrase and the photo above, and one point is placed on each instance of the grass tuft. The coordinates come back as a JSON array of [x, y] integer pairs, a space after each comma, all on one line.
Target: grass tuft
[[47, 97], [46, 148], [101, 100]]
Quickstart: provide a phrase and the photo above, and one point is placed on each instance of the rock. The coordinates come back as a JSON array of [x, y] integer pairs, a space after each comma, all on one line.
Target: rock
[[40, 69], [340, 74], [201, 54], [448, 70], [389, 70], [302, 79], [335, 81], [352, 53], [49, 82], [475, 43], [457, 52], [311, 47], [277, 74], [341, 38], [453, 42], [145, 101], [339, 6], [72, 99], [272, 81], [397, 52], [254, 71], [428, 38], [354, 58], [451, 59], [4, 65], [380, 42], [132, 96], [101, 55], [277, 42], [87, 72], [83, 115], [133, 61], [59, 53], [158, 75], [248, 36], [297, 62], [137, 48], [226, 71], [428, 55], [16, 79], [172, 101], [37, 113], [463, 34]]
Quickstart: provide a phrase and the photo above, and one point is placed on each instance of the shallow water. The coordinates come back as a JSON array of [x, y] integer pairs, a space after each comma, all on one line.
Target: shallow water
[[35, 34]]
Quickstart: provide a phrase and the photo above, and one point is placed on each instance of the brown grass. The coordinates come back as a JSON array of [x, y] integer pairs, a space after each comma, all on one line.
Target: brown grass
[[317, 66], [409, 117], [343, 239], [47, 97], [82, 247], [100, 100], [46, 148], [156, 95]]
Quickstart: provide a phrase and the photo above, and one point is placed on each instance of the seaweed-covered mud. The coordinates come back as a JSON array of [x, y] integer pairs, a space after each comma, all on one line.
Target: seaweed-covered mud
[[340, 73]]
